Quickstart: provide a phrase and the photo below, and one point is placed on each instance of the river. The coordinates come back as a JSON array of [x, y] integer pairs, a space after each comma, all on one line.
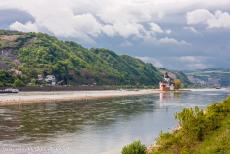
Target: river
[[94, 127]]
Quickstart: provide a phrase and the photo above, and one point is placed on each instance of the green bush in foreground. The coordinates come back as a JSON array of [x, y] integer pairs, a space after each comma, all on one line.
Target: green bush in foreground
[[134, 148], [201, 132]]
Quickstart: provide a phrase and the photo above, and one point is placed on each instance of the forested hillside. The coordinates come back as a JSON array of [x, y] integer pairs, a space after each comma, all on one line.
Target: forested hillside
[[25, 56]]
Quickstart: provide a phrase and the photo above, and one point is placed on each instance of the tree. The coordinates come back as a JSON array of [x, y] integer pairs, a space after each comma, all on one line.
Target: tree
[[5, 78], [177, 84], [18, 83], [33, 82]]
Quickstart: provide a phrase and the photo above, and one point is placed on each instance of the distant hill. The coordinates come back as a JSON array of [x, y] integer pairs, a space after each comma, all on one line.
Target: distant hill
[[25, 56], [210, 77]]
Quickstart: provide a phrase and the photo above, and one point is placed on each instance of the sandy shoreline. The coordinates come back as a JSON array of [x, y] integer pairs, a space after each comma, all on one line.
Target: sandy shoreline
[[65, 96]]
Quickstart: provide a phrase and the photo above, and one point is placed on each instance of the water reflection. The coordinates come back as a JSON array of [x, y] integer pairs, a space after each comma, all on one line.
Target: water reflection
[[165, 97], [39, 121]]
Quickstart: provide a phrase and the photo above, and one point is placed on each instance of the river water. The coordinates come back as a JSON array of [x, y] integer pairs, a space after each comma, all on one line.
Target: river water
[[94, 127]]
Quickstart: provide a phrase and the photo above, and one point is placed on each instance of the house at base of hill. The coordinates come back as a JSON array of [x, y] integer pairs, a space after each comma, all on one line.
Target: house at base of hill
[[49, 79]]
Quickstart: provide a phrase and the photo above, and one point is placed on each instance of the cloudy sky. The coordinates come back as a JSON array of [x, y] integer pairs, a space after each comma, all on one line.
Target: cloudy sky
[[177, 34]]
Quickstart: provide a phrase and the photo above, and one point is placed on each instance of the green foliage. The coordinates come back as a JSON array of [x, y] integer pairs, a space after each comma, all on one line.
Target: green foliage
[[5, 78], [192, 122], [33, 82], [18, 83], [183, 78], [41, 54], [201, 132], [134, 148]]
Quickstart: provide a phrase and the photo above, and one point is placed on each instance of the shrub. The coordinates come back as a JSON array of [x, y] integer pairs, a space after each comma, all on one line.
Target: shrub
[[166, 139], [177, 83], [5, 78], [18, 83], [192, 122], [134, 148], [200, 132]]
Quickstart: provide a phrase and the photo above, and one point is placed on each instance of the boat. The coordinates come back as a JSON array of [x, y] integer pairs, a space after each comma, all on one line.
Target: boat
[[9, 90]]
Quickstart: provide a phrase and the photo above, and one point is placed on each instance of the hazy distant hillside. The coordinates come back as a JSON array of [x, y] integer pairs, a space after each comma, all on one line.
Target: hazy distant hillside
[[24, 56], [210, 77]]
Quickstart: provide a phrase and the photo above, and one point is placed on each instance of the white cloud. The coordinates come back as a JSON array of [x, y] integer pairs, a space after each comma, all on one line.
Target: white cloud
[[83, 26], [182, 62], [198, 16], [167, 40], [191, 59], [193, 62], [168, 31], [221, 20], [109, 30], [192, 29], [155, 28], [197, 66], [87, 19], [27, 27], [151, 60], [127, 29], [218, 19], [126, 44], [87, 24]]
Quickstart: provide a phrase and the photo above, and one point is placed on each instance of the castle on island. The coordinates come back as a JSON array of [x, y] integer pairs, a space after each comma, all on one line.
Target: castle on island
[[167, 84]]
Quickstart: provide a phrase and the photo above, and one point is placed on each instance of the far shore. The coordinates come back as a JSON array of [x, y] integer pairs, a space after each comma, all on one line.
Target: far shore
[[66, 96]]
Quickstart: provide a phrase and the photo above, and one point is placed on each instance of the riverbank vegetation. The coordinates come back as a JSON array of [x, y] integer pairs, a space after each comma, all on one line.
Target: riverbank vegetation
[[200, 132], [134, 148]]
